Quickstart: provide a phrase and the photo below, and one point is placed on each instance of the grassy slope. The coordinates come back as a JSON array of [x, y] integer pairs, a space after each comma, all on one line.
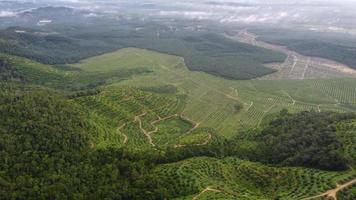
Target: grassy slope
[[210, 100]]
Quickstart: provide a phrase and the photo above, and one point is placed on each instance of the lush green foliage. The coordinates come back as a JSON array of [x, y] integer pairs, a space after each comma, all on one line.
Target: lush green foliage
[[49, 150], [46, 153], [306, 139], [7, 72], [347, 194], [233, 178]]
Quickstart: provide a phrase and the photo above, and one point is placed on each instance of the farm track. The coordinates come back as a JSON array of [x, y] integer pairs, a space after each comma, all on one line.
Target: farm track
[[164, 119], [123, 134], [195, 124], [208, 189], [306, 68], [249, 107], [147, 134], [291, 98], [333, 192], [295, 61]]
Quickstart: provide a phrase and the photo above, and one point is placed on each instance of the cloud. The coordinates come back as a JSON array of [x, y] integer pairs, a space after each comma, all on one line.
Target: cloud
[[7, 14], [189, 14]]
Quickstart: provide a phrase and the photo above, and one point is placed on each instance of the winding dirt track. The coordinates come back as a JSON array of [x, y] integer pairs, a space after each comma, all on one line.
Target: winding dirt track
[[147, 134], [208, 189], [195, 124], [153, 123], [333, 192], [163, 119], [123, 134], [291, 98]]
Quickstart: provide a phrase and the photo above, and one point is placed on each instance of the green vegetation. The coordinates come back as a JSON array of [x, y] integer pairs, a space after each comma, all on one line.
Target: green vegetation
[[49, 150], [8, 73], [46, 152], [213, 101], [306, 139], [133, 118], [346, 135], [232, 178], [347, 194], [169, 133], [164, 89], [214, 54]]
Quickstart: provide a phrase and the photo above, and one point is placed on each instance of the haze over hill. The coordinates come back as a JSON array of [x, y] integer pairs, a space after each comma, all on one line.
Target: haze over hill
[[331, 14]]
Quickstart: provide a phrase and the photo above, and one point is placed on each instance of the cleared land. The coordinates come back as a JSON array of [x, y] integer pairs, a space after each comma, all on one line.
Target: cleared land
[[297, 66], [211, 101]]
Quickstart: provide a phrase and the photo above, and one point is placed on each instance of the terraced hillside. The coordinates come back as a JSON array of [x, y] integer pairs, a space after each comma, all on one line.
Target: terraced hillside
[[142, 120], [225, 105]]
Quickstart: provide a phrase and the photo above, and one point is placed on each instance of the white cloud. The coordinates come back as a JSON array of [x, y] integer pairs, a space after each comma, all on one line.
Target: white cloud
[[7, 14]]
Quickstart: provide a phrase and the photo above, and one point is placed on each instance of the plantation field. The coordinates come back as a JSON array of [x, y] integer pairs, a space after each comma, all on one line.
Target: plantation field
[[225, 105], [232, 178]]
